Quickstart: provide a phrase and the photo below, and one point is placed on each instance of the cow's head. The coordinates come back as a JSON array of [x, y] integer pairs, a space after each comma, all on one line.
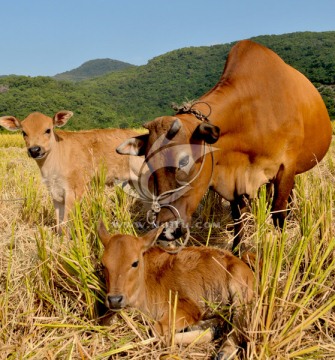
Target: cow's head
[[37, 130], [179, 172], [123, 264]]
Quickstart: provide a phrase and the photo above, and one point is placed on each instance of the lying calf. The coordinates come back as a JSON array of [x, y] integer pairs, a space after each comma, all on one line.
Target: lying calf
[[142, 276], [69, 160]]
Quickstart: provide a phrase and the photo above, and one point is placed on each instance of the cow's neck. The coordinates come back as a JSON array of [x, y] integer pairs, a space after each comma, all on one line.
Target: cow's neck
[[53, 162], [154, 282], [211, 106]]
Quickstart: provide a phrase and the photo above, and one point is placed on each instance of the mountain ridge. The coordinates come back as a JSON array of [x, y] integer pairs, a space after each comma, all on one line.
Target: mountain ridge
[[93, 68], [134, 95]]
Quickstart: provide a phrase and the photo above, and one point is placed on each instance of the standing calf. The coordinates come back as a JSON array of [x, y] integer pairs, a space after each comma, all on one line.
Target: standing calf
[[142, 276], [69, 160]]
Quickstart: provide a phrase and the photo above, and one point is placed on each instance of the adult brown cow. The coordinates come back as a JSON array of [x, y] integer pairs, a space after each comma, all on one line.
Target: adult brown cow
[[268, 123], [68, 160], [142, 276]]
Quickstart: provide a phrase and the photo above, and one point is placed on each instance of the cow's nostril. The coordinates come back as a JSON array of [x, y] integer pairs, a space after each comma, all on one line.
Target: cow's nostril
[[34, 151], [115, 301], [173, 231]]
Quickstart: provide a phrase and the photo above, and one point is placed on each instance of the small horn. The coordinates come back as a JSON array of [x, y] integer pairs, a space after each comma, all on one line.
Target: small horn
[[175, 127]]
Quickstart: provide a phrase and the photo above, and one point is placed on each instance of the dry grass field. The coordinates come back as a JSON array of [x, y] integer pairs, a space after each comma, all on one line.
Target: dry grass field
[[52, 290]]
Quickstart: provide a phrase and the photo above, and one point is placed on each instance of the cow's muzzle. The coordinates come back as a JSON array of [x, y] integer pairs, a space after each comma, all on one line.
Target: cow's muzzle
[[36, 152], [115, 302], [173, 230]]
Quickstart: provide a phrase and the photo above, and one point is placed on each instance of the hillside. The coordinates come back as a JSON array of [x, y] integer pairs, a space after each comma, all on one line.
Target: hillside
[[129, 97], [93, 68]]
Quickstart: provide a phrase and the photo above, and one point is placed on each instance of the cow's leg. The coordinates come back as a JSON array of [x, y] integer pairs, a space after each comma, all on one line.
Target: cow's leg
[[59, 210], [62, 209], [204, 330], [238, 207], [233, 339], [241, 293], [187, 337], [290, 201], [187, 314], [269, 191], [283, 185], [70, 199]]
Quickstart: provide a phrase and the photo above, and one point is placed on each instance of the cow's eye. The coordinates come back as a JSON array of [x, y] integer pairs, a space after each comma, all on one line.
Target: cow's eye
[[134, 264], [24, 134], [184, 161], [48, 131], [170, 169]]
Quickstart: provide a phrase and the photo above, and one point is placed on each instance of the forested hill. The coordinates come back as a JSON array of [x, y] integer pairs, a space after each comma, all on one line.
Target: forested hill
[[93, 68], [129, 97]]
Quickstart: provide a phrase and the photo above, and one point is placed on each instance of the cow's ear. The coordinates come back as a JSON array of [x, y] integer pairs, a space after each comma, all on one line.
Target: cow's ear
[[62, 117], [103, 234], [10, 123], [150, 238], [133, 146], [207, 132], [174, 128]]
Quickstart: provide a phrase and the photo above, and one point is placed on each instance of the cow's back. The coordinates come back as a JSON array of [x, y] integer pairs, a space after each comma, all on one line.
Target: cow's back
[[196, 273], [93, 149], [267, 103]]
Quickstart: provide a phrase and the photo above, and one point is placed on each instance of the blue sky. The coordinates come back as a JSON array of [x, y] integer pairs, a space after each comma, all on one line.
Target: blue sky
[[46, 37]]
